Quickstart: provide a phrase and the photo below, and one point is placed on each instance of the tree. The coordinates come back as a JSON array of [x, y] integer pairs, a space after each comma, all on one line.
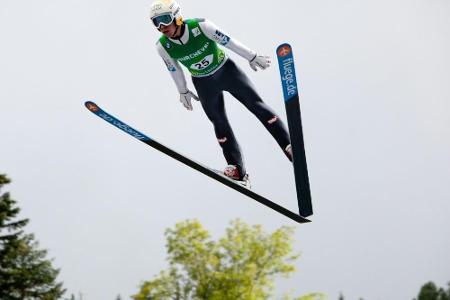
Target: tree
[[25, 274], [430, 291], [241, 265]]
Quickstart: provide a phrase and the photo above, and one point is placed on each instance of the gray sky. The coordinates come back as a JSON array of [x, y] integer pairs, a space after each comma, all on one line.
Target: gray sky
[[375, 79]]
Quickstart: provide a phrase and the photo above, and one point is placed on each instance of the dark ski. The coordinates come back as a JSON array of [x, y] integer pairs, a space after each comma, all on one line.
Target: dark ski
[[94, 108], [292, 103]]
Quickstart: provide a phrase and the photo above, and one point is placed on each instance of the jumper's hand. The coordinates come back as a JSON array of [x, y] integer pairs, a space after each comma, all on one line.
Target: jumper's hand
[[185, 98], [263, 62]]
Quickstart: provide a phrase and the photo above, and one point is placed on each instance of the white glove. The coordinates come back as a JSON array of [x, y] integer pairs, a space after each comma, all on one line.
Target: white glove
[[260, 61], [185, 98]]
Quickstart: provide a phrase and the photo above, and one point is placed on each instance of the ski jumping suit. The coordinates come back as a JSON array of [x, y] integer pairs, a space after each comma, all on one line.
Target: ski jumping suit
[[212, 73]]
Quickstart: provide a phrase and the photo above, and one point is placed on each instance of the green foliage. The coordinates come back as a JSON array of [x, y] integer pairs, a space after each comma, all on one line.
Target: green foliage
[[430, 291], [240, 265], [25, 274], [312, 296]]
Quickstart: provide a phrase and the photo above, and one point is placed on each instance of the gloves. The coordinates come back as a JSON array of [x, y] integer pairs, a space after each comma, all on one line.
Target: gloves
[[260, 61], [185, 98]]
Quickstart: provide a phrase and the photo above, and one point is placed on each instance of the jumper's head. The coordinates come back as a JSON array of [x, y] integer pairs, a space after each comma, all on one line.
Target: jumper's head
[[165, 12]]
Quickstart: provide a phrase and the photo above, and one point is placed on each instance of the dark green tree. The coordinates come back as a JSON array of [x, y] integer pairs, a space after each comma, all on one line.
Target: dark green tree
[[430, 291], [25, 273]]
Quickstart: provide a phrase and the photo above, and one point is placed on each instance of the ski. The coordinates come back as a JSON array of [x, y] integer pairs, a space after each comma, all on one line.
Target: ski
[[292, 104], [94, 108]]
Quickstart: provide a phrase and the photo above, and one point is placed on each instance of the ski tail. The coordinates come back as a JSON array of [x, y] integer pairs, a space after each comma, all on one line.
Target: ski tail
[[292, 104], [94, 108]]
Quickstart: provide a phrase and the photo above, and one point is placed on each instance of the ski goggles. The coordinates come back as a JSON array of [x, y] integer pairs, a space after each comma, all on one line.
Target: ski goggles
[[165, 20]]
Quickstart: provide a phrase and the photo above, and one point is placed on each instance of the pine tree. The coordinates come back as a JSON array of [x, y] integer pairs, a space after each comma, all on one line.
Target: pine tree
[[430, 291], [25, 273]]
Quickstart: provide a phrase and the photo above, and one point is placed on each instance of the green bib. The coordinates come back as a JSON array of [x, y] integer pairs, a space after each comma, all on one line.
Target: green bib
[[201, 56]]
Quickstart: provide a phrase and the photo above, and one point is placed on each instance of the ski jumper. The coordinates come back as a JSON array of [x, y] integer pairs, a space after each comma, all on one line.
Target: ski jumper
[[213, 73]]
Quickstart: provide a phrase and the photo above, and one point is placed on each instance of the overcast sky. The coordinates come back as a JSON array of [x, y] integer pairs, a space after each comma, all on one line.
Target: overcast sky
[[375, 98]]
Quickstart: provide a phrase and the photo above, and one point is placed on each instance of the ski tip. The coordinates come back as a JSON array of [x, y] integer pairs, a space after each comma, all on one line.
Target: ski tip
[[287, 71], [284, 50], [91, 106]]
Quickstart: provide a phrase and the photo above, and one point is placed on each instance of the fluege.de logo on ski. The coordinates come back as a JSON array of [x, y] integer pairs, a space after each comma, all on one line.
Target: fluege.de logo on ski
[[288, 78], [287, 71]]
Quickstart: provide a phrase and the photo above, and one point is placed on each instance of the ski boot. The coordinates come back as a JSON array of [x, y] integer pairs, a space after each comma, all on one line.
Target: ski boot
[[232, 172]]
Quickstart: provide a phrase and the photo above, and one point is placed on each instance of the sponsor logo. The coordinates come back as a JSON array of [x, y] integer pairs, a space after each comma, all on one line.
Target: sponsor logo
[[168, 45], [196, 31], [221, 38], [288, 77], [284, 51], [225, 40], [170, 66], [92, 107], [122, 126], [197, 53], [156, 8]]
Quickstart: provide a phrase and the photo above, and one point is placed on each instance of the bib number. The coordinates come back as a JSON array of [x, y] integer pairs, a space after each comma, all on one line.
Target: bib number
[[204, 63]]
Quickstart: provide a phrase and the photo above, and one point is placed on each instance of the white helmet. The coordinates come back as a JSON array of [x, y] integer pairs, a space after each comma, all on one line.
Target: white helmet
[[165, 12]]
